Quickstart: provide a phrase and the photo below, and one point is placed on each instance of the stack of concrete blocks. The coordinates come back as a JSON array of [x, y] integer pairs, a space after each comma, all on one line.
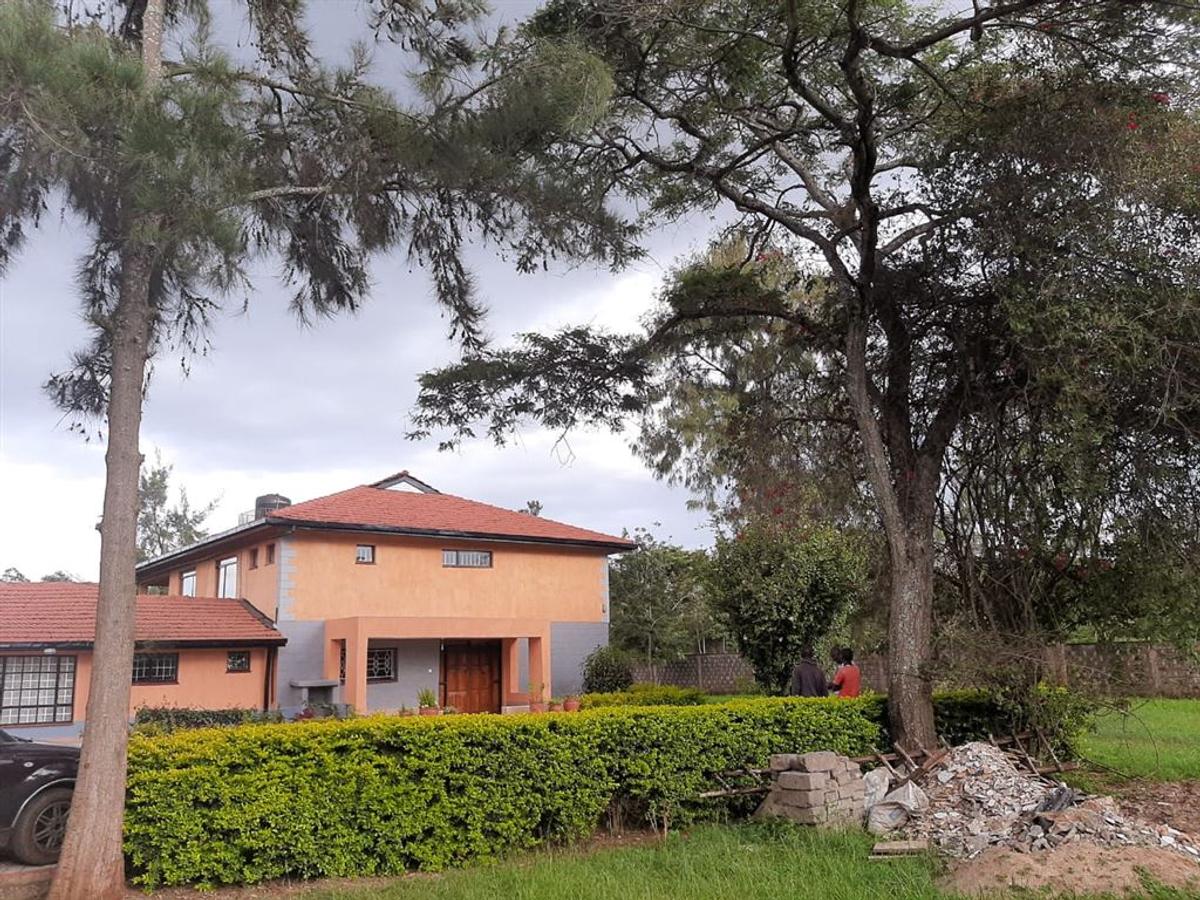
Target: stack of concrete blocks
[[820, 788]]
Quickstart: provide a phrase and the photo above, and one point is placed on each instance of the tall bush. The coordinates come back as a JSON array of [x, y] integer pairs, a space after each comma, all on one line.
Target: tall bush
[[607, 669], [778, 588]]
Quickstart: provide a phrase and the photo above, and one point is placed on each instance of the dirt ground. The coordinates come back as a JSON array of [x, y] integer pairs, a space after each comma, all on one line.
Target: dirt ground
[[1174, 803], [1077, 867]]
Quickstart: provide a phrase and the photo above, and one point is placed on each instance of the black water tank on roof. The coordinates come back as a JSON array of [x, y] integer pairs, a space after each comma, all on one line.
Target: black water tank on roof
[[268, 503]]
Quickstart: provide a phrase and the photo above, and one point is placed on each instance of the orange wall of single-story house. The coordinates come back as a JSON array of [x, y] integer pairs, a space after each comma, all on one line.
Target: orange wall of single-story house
[[203, 682], [526, 581]]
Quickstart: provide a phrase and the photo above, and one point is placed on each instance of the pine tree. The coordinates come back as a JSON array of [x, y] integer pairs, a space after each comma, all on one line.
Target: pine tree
[[183, 172]]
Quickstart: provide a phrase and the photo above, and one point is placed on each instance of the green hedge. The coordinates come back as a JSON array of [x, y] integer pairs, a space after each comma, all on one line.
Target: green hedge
[[384, 795], [645, 695], [161, 719]]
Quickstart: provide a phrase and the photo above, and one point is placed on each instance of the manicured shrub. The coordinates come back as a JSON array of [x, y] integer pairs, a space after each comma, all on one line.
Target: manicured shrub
[[387, 794], [607, 669], [645, 695], [162, 719], [382, 795]]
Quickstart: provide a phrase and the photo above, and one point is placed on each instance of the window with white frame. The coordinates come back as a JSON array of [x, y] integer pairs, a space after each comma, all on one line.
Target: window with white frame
[[37, 690], [227, 577], [364, 554], [187, 584], [155, 668], [467, 559], [381, 664]]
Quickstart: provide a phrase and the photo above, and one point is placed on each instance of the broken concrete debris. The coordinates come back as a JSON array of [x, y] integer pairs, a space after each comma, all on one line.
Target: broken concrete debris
[[978, 799], [970, 798]]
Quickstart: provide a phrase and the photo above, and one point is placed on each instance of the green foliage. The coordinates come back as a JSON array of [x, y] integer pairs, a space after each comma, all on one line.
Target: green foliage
[[658, 606], [607, 669], [778, 588], [165, 719], [426, 698], [385, 794], [163, 528], [645, 695], [378, 795]]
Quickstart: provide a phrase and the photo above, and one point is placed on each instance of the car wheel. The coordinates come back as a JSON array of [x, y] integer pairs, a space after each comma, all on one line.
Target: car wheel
[[37, 837]]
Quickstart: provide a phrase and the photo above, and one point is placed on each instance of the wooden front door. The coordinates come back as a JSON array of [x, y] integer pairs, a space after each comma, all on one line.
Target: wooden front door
[[471, 676]]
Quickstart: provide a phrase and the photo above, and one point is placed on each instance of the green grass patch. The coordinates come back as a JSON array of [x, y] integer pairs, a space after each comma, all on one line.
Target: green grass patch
[[746, 862], [713, 862], [1156, 739]]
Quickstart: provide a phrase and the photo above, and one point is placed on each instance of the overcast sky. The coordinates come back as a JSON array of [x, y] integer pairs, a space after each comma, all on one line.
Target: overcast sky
[[275, 407]]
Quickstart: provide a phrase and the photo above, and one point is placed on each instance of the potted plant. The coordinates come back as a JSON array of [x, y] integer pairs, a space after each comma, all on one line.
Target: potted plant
[[556, 704], [571, 704], [537, 703], [427, 703]]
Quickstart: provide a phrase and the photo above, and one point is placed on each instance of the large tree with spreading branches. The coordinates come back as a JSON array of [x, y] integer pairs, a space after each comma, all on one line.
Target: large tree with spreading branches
[[983, 210], [183, 171]]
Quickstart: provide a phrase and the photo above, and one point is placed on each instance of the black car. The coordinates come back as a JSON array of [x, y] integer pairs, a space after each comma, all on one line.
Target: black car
[[36, 782]]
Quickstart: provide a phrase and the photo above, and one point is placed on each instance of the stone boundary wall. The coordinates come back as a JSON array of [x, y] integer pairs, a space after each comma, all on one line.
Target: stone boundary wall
[[1147, 670]]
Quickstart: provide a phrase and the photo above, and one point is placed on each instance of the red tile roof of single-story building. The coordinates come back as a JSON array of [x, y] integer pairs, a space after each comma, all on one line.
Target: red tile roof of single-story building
[[64, 613], [374, 508]]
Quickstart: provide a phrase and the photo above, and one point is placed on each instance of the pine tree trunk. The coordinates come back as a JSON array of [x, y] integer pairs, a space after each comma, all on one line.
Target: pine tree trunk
[[910, 639], [92, 866]]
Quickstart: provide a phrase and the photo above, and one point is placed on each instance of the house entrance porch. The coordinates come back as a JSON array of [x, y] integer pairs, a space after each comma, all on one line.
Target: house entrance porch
[[471, 664]]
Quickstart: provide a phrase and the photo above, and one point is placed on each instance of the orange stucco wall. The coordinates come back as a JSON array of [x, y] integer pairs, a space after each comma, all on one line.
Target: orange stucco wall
[[258, 585], [203, 682], [408, 579]]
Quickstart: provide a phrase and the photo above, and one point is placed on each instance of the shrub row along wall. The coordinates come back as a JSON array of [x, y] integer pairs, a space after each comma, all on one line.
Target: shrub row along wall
[[1143, 669], [384, 795]]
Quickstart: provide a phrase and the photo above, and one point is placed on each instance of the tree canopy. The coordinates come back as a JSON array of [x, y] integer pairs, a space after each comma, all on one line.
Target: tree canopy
[[983, 221]]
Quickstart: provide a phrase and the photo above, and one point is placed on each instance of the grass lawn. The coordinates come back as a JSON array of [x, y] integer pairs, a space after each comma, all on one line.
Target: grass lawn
[[744, 861], [1157, 739], [747, 862]]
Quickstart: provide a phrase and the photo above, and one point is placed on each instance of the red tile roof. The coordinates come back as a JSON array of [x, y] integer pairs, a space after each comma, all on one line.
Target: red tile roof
[[442, 514], [65, 613]]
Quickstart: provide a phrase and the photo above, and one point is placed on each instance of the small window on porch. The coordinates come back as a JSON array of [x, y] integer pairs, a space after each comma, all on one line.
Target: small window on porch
[[364, 554], [187, 583], [381, 664]]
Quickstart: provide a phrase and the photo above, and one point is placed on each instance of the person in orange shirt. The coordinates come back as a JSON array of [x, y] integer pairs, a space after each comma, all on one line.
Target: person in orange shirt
[[847, 680]]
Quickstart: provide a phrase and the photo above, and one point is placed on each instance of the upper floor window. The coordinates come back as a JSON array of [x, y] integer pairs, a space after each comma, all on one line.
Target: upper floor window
[[254, 558], [364, 554], [270, 554], [187, 584], [467, 559], [227, 577], [155, 668]]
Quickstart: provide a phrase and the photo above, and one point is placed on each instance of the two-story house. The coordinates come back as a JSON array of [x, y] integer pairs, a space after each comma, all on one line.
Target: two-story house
[[386, 589]]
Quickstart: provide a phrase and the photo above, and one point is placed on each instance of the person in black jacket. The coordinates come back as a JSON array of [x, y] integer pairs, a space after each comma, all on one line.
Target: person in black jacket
[[808, 680]]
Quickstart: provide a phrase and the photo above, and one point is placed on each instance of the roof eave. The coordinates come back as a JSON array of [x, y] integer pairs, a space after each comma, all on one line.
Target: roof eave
[[144, 643], [613, 546]]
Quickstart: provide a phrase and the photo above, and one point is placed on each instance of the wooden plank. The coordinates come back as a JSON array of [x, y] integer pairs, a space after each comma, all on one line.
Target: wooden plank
[[930, 763], [900, 848]]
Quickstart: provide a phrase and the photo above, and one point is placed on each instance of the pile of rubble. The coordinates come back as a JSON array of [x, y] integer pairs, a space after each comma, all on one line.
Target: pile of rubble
[[976, 798]]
